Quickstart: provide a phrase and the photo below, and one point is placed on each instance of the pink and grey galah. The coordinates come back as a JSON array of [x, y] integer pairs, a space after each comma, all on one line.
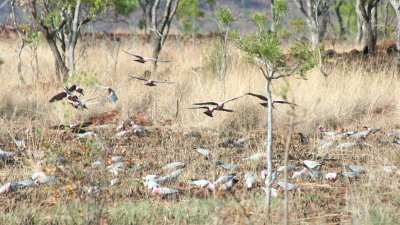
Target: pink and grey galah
[[331, 176], [218, 105], [174, 165], [142, 59], [250, 180], [257, 156], [112, 97], [225, 178], [41, 178], [164, 191], [67, 93], [209, 110], [265, 104], [202, 184], [312, 164], [150, 82]]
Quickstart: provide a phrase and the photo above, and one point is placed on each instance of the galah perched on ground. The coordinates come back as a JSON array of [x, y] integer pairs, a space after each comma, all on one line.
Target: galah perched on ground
[[4, 155], [373, 129], [218, 105], [164, 191], [137, 129], [86, 135], [353, 144], [202, 184], [264, 174], [331, 176], [150, 82], [303, 138], [357, 169], [300, 174], [203, 151], [360, 135], [225, 178], [209, 110], [351, 175], [327, 134], [74, 128], [289, 187], [250, 180], [174, 165], [256, 156], [274, 192], [312, 164], [41, 178], [233, 142], [289, 168], [229, 184], [142, 59], [226, 166], [112, 97]]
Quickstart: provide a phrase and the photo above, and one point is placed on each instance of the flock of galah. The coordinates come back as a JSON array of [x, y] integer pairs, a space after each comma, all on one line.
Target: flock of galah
[[157, 185]]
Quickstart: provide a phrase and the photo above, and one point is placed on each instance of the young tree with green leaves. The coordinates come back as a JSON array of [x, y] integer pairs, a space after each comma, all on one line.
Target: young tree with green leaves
[[279, 8], [225, 19], [264, 46]]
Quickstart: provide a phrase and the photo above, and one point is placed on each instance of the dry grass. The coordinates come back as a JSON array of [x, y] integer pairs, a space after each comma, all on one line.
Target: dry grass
[[354, 95]]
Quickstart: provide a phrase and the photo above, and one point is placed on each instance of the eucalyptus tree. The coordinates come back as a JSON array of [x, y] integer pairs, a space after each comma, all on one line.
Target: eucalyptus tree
[[367, 15], [265, 48], [396, 6]]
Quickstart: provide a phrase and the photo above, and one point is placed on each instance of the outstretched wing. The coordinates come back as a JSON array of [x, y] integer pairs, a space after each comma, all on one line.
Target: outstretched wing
[[99, 86], [72, 88], [206, 103], [231, 99], [58, 97], [283, 102], [95, 103], [262, 97], [158, 60], [199, 107], [139, 78], [226, 110], [86, 100], [163, 81], [139, 56]]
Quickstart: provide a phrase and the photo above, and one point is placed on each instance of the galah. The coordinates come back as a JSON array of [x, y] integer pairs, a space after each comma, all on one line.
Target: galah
[[115, 168], [373, 129], [4, 155], [209, 110], [74, 128], [142, 59], [229, 184], [389, 169], [250, 179], [225, 178], [274, 192], [300, 174], [331, 176], [87, 134], [150, 82], [174, 165], [164, 191], [123, 133], [218, 105], [360, 135], [351, 175], [303, 138], [115, 181], [289, 187], [112, 96], [256, 156], [203, 151], [202, 184], [265, 104], [289, 168], [67, 93], [41, 178], [357, 169], [312, 164]]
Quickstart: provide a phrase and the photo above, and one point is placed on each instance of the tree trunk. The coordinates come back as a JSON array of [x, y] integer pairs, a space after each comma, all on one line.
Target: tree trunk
[[21, 44], [273, 25], [269, 144], [366, 10], [342, 29], [396, 6], [60, 66], [74, 39], [360, 24]]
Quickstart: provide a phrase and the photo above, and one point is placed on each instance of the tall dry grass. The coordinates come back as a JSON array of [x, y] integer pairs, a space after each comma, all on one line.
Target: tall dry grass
[[355, 94]]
